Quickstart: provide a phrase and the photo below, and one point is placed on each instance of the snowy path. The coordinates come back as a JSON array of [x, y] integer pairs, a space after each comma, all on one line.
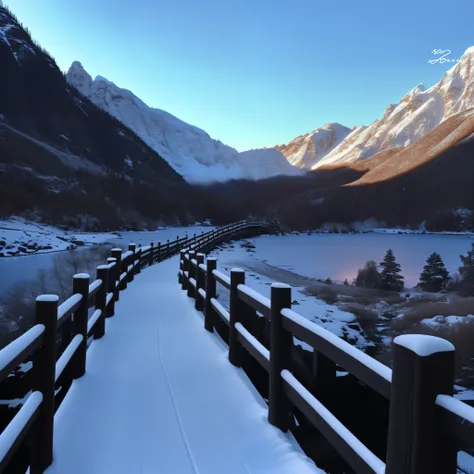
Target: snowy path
[[160, 397]]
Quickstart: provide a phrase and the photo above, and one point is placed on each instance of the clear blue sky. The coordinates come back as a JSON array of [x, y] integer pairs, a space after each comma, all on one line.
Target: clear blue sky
[[256, 73]]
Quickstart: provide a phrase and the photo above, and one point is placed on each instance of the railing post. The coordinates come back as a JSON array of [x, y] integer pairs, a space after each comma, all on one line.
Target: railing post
[[117, 254], [124, 269], [185, 282], [139, 260], [152, 252], [182, 253], [100, 300], [211, 291], [423, 367], [191, 273], [158, 252], [131, 248], [281, 342], [44, 379], [80, 284], [198, 302], [237, 277], [111, 286]]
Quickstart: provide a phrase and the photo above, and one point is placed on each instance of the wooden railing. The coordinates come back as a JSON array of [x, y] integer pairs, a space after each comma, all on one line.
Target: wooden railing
[[427, 425], [72, 324]]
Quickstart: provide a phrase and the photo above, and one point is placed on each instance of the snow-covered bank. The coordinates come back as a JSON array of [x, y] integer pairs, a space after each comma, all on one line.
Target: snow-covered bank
[[21, 237], [26, 266], [421, 232]]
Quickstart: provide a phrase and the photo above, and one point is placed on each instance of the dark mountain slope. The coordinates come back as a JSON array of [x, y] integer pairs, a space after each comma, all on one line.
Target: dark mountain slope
[[341, 194], [50, 135]]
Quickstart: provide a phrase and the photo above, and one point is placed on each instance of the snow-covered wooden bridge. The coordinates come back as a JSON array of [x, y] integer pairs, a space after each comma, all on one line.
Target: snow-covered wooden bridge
[[159, 394]]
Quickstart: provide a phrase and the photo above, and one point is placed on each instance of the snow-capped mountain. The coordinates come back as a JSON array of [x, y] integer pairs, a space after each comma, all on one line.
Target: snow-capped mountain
[[188, 149], [419, 112], [54, 142], [307, 150]]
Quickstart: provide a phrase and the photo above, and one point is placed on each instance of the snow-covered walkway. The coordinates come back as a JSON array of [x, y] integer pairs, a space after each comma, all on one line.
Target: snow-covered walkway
[[160, 397]]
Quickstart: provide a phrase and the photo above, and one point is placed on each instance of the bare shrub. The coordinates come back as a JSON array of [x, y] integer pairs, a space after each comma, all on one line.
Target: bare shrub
[[362, 313], [327, 294], [455, 306], [354, 294], [460, 335]]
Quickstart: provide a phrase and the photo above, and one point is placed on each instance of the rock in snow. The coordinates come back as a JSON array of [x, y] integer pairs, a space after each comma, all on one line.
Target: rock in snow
[[188, 149]]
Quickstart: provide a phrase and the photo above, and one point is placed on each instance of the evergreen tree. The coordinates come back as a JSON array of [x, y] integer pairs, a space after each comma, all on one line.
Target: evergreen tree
[[369, 276], [434, 275], [466, 271], [346, 282], [390, 277]]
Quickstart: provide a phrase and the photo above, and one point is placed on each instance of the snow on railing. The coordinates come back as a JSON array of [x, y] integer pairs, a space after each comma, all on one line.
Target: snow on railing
[[335, 425], [221, 278], [68, 354], [93, 319], [16, 348], [459, 408], [265, 353], [67, 307], [220, 309], [109, 298], [17, 428], [93, 287], [372, 364]]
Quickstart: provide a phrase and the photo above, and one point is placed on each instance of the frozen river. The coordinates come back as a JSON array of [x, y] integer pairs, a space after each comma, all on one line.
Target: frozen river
[[320, 255], [16, 269]]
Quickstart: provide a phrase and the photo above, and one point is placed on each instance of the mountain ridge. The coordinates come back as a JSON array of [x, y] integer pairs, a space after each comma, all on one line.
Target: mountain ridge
[[55, 142], [189, 150], [418, 112]]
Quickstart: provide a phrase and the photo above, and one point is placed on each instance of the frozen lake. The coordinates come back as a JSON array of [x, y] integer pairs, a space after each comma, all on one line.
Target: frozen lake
[[15, 269], [319, 256], [339, 256]]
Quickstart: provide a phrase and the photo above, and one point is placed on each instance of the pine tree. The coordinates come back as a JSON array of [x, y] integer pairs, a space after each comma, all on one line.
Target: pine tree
[[466, 270], [369, 276], [434, 275], [390, 277]]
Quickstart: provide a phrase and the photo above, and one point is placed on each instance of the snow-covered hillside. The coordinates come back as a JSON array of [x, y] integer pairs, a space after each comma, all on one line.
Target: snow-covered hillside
[[419, 111], [188, 149], [308, 150]]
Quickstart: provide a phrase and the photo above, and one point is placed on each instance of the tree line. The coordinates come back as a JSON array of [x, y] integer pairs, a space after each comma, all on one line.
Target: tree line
[[387, 275]]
